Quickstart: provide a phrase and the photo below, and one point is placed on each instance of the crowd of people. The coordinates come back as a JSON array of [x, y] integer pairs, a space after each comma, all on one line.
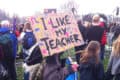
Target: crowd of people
[[89, 57]]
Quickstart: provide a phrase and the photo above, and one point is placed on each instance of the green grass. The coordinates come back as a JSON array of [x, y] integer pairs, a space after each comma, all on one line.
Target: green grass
[[70, 52], [105, 62], [20, 73]]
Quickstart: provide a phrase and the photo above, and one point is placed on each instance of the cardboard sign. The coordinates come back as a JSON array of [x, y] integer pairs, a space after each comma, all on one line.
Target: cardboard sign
[[56, 32]]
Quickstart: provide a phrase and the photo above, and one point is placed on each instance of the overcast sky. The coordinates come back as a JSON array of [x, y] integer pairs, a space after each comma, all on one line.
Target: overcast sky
[[29, 7]]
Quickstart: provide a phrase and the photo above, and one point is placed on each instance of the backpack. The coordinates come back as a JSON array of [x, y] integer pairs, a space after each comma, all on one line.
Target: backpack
[[28, 40], [6, 46]]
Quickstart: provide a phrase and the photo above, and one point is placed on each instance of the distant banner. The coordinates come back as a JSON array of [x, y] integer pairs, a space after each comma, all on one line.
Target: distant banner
[[48, 11], [56, 32]]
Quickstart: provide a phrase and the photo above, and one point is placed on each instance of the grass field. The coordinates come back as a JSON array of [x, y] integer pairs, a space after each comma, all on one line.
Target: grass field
[[19, 73]]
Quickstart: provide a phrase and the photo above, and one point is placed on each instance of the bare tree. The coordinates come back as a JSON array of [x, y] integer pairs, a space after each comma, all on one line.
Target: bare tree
[[5, 16], [70, 6]]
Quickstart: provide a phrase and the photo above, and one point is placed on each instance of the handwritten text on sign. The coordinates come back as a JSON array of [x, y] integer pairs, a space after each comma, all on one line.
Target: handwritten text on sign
[[56, 33]]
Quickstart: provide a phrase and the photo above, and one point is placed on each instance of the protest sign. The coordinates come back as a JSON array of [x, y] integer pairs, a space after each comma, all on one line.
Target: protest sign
[[56, 32]]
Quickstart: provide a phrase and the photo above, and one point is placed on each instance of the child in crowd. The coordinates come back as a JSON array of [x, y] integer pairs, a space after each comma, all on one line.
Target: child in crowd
[[114, 61], [91, 67], [33, 58]]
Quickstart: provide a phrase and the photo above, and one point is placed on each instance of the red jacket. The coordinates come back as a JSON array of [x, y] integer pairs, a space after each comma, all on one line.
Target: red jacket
[[104, 37], [17, 33]]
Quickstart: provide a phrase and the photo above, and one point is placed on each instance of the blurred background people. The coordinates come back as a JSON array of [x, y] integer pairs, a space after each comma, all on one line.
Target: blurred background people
[[9, 48], [96, 33]]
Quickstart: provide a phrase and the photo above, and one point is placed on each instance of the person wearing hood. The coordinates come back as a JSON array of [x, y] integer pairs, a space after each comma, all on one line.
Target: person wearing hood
[[10, 64]]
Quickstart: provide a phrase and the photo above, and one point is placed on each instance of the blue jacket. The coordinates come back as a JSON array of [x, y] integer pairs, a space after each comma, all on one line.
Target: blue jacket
[[91, 71], [13, 38]]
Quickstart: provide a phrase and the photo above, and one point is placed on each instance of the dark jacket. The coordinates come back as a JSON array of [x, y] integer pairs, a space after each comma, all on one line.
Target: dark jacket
[[116, 32], [10, 64], [95, 33], [35, 57], [91, 71], [53, 69], [83, 31]]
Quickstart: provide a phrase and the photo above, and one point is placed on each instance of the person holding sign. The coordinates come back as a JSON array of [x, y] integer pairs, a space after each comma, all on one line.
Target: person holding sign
[[56, 32], [54, 71], [83, 31]]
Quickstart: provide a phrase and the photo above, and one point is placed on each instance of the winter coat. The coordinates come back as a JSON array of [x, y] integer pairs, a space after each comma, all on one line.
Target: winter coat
[[9, 65], [53, 69], [13, 38], [95, 33], [116, 32], [36, 56], [83, 31], [91, 71]]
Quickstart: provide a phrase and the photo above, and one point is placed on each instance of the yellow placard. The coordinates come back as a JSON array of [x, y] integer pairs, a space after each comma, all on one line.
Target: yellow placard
[[56, 32]]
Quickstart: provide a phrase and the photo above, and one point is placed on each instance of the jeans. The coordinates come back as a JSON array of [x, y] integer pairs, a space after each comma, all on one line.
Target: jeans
[[102, 52], [117, 77], [10, 66], [26, 75]]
